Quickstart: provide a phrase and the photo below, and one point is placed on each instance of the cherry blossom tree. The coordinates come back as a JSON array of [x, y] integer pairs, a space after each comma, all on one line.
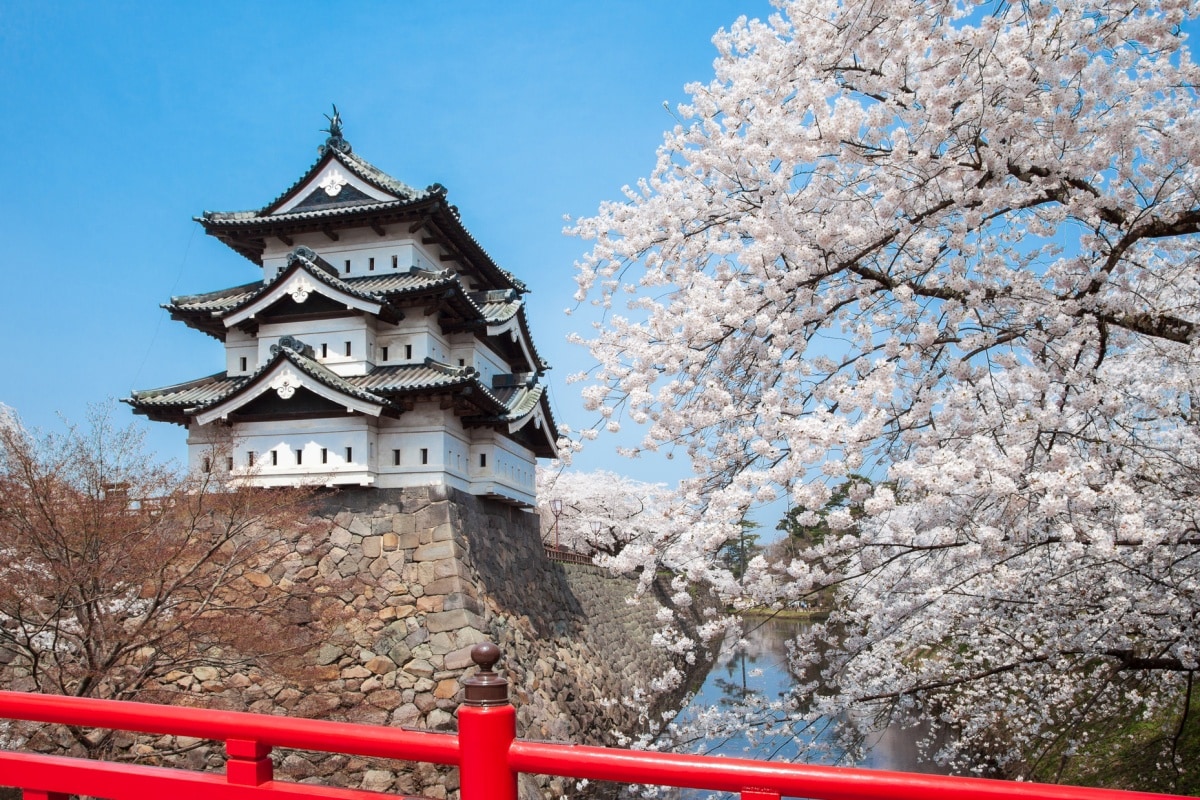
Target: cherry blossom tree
[[600, 513], [951, 247], [116, 571]]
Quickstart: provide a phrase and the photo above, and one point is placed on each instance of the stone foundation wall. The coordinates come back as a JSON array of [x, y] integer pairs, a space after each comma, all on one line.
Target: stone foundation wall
[[406, 582]]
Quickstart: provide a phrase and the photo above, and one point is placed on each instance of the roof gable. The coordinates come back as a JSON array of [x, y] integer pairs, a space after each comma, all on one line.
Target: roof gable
[[333, 183], [306, 274], [286, 373]]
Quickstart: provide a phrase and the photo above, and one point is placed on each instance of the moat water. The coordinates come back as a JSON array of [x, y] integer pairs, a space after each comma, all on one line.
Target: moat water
[[758, 673]]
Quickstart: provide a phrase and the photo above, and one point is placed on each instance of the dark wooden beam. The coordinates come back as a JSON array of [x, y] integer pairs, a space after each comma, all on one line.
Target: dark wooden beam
[[379, 229], [332, 234], [283, 237], [416, 226], [429, 240]]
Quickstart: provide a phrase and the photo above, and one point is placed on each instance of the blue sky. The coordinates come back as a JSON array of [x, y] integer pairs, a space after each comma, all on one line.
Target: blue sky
[[125, 120]]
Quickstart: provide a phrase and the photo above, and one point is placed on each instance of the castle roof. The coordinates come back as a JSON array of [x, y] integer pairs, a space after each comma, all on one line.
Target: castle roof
[[388, 390], [342, 190], [491, 312]]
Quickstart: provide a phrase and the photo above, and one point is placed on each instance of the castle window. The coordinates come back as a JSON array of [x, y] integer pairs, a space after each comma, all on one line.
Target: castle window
[[424, 455], [347, 266], [395, 262], [408, 352], [347, 348], [324, 350], [324, 455], [274, 458], [250, 458], [483, 460], [243, 363], [395, 458], [371, 264], [206, 465], [229, 463], [383, 353], [462, 363], [299, 457], [349, 454]]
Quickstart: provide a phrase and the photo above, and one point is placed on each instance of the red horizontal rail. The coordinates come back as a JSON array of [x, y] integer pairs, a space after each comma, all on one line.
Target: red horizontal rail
[[78, 776], [300, 734], [486, 751], [799, 780]]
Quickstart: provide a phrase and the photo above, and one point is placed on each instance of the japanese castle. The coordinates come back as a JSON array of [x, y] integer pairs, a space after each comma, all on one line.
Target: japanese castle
[[381, 345]]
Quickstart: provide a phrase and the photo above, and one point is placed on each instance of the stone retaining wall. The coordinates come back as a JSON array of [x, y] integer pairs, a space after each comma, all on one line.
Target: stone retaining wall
[[459, 569], [406, 582]]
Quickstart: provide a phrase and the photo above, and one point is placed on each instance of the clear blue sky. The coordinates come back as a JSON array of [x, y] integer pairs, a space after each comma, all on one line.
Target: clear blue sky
[[122, 121]]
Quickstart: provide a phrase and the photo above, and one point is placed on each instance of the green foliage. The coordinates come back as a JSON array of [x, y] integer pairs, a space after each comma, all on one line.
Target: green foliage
[[844, 496], [737, 553], [1159, 753]]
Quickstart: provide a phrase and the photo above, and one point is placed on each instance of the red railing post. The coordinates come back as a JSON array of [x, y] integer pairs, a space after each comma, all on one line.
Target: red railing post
[[249, 762], [487, 726]]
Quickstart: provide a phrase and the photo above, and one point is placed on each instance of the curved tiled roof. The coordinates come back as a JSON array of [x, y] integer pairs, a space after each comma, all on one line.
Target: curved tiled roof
[[381, 386], [205, 311], [410, 203], [192, 394]]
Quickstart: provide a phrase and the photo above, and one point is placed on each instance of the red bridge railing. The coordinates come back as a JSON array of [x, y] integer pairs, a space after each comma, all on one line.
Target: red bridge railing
[[485, 750]]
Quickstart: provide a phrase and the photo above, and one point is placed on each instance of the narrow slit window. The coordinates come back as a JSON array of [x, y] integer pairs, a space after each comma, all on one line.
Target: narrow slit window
[[274, 458], [347, 348], [371, 264], [483, 460], [383, 353], [250, 458], [324, 350], [395, 262], [349, 454], [229, 463], [395, 458], [243, 363], [299, 457], [206, 465], [347, 266], [424, 455], [408, 352], [324, 455]]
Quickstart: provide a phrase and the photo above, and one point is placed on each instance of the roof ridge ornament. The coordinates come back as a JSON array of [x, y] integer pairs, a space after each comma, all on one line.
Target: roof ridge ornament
[[335, 140], [293, 344]]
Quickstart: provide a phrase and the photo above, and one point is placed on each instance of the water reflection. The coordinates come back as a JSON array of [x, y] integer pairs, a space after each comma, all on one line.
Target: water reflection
[[755, 679]]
